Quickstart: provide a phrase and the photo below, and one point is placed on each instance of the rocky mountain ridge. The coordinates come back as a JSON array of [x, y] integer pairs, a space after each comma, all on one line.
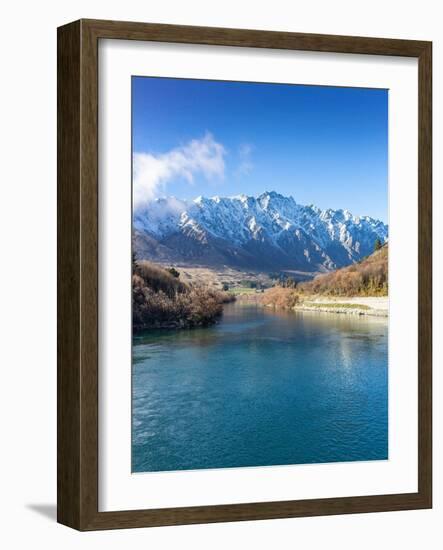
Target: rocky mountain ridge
[[270, 231]]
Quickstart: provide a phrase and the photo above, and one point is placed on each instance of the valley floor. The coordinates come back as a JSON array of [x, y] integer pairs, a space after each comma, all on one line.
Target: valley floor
[[256, 287]]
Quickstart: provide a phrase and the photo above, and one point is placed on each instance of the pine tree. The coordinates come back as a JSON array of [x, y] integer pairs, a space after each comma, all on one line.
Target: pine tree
[[377, 244]]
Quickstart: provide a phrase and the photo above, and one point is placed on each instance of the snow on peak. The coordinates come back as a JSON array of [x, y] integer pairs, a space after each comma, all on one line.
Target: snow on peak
[[336, 235]]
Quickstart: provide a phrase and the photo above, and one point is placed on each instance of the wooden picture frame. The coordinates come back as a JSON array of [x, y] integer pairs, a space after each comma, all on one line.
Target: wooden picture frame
[[78, 274]]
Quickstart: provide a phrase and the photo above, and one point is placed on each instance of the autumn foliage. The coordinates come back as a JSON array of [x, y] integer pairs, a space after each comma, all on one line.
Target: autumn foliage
[[161, 300], [366, 278], [280, 297]]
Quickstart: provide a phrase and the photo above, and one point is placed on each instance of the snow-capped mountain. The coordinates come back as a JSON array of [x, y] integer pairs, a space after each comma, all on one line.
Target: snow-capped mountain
[[265, 232]]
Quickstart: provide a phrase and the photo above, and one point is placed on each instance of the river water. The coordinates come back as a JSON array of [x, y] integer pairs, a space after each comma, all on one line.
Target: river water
[[261, 388]]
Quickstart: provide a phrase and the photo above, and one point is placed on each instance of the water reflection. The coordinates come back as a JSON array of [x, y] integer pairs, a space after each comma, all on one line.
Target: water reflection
[[263, 387]]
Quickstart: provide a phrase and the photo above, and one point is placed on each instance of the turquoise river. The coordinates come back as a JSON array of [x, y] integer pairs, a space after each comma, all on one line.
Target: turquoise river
[[261, 388]]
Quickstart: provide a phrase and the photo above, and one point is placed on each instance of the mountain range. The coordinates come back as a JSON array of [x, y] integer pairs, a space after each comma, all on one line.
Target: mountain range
[[267, 232]]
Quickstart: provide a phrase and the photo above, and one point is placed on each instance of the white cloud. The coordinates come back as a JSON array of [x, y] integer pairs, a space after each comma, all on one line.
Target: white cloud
[[152, 172]]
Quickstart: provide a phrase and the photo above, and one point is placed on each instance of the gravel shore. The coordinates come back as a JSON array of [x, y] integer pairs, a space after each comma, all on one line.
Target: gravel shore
[[365, 305]]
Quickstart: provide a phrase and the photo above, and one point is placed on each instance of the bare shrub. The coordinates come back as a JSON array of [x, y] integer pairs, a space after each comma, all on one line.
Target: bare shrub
[[158, 278], [280, 297], [160, 300]]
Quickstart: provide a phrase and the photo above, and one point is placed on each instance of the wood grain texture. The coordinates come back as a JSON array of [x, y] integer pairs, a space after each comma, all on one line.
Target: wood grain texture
[[425, 273], [254, 38], [68, 275], [78, 274]]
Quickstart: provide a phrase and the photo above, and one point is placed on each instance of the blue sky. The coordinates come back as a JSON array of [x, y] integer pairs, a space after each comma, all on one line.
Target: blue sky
[[323, 145]]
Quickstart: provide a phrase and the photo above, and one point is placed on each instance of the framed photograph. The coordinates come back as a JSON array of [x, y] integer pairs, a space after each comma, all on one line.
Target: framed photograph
[[244, 275]]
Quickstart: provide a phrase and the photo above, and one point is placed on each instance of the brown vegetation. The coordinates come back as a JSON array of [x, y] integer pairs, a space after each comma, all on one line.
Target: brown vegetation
[[280, 297], [366, 278], [161, 300]]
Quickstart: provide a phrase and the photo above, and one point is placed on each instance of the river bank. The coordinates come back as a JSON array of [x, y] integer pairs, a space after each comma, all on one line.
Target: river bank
[[377, 306], [161, 300]]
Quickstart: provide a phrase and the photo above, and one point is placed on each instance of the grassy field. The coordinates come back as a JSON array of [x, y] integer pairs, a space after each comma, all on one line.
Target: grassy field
[[218, 277]]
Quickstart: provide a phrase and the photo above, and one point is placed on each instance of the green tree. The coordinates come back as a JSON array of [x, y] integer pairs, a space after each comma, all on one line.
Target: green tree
[[247, 283], [377, 244]]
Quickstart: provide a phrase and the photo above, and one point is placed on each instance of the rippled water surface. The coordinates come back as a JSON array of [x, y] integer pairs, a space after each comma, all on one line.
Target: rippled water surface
[[261, 388]]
